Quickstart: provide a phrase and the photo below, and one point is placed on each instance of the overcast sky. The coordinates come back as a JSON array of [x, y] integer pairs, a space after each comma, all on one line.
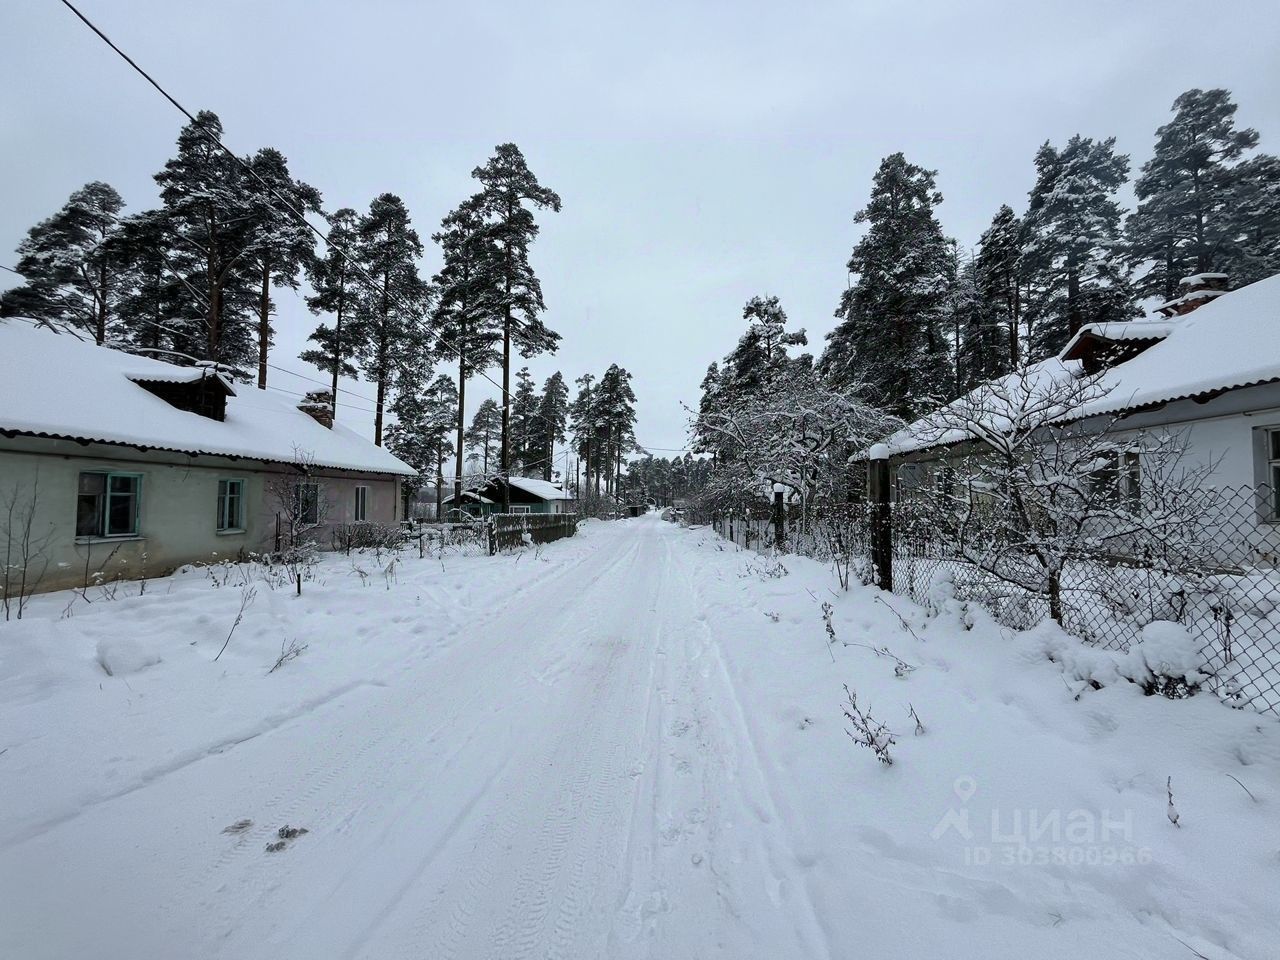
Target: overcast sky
[[705, 152]]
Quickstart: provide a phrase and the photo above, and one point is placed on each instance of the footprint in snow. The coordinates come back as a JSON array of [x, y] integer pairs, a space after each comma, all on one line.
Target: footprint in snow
[[285, 833], [240, 826]]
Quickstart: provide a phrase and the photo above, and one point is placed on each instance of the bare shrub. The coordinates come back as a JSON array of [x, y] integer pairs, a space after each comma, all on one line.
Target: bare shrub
[[25, 547], [867, 731]]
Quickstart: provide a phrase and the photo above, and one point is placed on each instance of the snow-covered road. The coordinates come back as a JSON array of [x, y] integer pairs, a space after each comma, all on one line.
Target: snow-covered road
[[627, 744], [575, 780]]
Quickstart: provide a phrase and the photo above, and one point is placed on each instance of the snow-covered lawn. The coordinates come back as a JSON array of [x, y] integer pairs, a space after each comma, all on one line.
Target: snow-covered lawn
[[630, 744]]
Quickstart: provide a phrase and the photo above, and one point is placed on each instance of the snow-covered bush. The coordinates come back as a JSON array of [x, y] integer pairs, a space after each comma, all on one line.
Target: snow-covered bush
[[1167, 661]]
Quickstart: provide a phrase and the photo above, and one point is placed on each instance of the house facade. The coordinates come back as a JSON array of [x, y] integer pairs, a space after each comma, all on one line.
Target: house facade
[[528, 495], [118, 466], [1207, 373]]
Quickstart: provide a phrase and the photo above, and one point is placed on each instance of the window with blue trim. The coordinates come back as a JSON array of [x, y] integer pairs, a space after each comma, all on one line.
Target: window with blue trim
[[230, 505], [107, 504]]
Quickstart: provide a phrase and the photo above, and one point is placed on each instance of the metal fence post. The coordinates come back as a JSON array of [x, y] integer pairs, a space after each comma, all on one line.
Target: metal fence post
[[881, 528]]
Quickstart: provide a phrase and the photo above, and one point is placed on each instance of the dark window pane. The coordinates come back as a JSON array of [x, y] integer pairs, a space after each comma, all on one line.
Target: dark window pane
[[121, 511], [88, 515], [1275, 444], [123, 484], [92, 483]]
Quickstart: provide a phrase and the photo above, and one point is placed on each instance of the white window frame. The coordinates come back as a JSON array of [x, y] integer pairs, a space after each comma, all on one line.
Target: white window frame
[[104, 508], [299, 504], [521, 508], [227, 524], [361, 511]]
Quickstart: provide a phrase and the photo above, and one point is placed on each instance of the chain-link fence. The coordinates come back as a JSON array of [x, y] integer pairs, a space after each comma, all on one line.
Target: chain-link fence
[[1220, 580]]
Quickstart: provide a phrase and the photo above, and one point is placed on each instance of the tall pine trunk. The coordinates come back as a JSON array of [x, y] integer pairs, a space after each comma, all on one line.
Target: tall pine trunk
[[439, 478], [1015, 324], [100, 306], [215, 312], [504, 465], [462, 407], [337, 347], [382, 362], [264, 325]]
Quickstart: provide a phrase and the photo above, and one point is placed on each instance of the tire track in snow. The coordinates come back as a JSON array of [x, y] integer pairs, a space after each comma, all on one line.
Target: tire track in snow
[[780, 849], [536, 834]]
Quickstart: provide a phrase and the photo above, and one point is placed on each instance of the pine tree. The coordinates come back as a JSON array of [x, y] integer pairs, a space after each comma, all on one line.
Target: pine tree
[[389, 337], [421, 435], [1257, 204], [209, 211], [71, 272], [889, 339], [155, 310], [582, 422], [524, 426], [982, 340], [1188, 218], [1074, 251], [282, 245], [1000, 280], [485, 433], [553, 413], [711, 401], [761, 353], [615, 416], [336, 287], [508, 185], [464, 317]]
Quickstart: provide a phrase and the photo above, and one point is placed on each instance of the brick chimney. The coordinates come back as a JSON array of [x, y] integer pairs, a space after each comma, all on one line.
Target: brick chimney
[[1196, 290], [318, 405]]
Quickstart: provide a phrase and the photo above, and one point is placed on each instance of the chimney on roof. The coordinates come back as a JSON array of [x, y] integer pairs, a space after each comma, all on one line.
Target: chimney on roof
[[318, 405], [1196, 290]]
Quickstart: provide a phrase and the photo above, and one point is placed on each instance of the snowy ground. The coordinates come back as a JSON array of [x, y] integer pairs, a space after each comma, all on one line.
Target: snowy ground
[[629, 745]]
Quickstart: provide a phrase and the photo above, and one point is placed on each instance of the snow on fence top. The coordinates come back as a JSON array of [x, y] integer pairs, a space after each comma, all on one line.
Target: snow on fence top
[[1223, 345], [56, 385]]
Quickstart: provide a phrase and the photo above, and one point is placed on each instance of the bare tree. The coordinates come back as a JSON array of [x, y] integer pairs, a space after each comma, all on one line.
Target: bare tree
[[796, 433], [1032, 483], [25, 546], [302, 508]]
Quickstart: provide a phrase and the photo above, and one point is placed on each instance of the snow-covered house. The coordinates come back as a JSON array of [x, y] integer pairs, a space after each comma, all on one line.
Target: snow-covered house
[[1207, 371], [528, 495], [128, 466]]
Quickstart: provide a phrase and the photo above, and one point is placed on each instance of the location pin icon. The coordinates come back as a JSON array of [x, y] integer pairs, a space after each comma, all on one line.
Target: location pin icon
[[965, 788]]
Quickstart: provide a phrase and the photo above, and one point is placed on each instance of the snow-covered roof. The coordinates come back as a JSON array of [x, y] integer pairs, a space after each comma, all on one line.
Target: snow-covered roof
[[540, 488], [1116, 332], [1191, 297], [1195, 278], [1231, 342], [55, 385], [934, 430], [1226, 344]]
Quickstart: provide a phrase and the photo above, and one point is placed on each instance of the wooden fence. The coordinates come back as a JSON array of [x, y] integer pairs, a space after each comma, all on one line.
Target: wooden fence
[[511, 531]]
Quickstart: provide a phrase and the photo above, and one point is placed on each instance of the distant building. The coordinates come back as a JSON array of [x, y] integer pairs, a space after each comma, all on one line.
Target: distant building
[[528, 495], [133, 467]]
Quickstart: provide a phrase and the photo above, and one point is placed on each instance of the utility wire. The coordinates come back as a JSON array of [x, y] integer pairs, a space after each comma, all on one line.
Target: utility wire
[[292, 210]]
